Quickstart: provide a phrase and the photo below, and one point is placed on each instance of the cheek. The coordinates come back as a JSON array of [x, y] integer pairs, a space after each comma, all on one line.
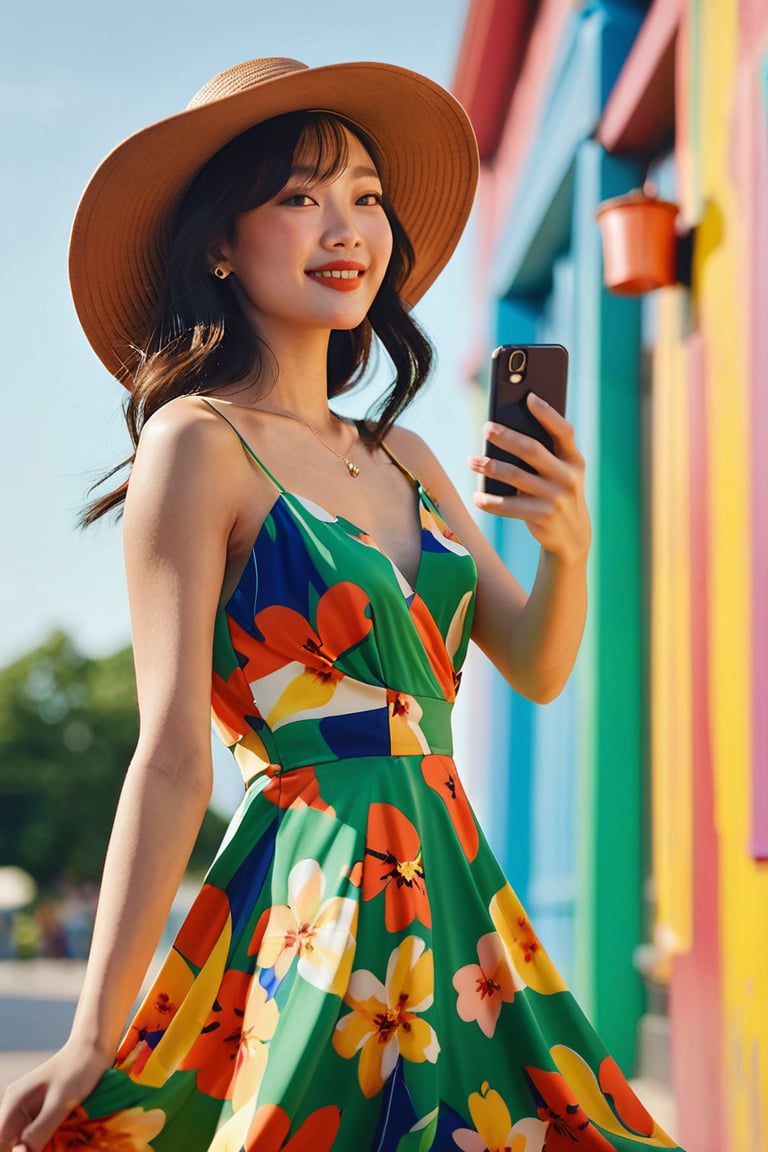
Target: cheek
[[381, 245]]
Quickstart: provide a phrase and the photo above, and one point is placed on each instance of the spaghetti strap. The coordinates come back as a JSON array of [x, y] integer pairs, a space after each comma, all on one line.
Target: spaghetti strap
[[398, 462], [245, 444]]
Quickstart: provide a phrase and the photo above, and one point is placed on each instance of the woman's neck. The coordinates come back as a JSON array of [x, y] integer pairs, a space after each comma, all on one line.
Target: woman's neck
[[297, 377]]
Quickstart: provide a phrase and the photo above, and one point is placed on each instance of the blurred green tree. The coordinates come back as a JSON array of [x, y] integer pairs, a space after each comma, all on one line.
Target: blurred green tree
[[68, 728]]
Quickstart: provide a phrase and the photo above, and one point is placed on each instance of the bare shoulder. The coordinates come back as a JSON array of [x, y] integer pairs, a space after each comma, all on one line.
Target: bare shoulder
[[185, 426], [414, 452], [185, 465]]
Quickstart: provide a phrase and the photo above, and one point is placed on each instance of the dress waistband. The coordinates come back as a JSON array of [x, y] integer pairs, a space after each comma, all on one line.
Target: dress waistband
[[406, 725]]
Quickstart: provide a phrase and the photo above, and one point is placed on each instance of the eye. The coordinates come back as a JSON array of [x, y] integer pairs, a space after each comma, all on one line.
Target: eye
[[297, 200], [369, 199]]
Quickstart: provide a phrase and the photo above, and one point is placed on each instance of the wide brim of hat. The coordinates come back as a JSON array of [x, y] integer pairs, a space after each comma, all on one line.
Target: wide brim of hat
[[120, 236]]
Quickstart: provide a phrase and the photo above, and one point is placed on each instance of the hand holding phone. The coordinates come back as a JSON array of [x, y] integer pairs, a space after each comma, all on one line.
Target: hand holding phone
[[516, 371]]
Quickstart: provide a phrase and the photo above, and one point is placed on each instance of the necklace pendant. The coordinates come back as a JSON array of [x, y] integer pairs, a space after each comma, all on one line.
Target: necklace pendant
[[352, 468]]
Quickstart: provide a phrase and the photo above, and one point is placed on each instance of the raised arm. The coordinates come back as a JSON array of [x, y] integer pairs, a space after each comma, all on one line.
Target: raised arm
[[533, 640], [175, 529]]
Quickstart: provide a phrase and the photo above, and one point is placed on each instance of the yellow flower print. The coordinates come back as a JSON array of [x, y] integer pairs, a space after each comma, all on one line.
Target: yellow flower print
[[405, 734], [523, 946], [384, 1022], [259, 1023], [320, 934], [495, 1131], [594, 1097]]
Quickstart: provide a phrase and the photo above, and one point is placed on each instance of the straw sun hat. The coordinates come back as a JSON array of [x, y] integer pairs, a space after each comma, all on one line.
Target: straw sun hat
[[122, 228]]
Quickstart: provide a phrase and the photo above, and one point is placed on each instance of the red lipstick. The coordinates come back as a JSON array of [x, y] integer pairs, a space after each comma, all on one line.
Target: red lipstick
[[341, 275]]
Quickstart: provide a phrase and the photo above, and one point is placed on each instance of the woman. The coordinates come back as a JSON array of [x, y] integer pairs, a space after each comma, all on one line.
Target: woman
[[356, 972]]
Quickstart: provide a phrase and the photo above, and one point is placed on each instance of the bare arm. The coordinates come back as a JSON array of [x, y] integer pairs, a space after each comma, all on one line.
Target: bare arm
[[533, 640], [175, 544]]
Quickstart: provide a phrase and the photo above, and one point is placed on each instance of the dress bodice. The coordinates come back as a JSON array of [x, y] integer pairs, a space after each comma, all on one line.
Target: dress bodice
[[325, 651]]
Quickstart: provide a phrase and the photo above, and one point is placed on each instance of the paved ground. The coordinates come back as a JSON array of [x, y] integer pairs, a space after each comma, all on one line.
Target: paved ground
[[37, 1001]]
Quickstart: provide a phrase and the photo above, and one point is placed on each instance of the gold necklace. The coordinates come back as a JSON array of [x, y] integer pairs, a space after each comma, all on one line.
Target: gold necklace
[[352, 468]]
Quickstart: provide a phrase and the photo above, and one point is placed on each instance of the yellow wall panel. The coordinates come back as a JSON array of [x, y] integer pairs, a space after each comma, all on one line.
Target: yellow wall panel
[[721, 284], [671, 723]]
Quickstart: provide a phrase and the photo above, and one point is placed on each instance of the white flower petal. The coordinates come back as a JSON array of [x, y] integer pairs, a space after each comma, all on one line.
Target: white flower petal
[[363, 985], [306, 885]]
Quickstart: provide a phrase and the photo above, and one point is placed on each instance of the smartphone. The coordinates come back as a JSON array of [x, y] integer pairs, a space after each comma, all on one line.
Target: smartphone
[[516, 370]]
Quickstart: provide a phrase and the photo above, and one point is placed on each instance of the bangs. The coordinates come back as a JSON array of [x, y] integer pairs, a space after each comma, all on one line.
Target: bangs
[[322, 149], [253, 168]]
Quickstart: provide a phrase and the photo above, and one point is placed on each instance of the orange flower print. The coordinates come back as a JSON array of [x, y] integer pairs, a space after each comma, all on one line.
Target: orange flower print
[[319, 934], [384, 1023], [215, 1052], [608, 1099], [393, 864], [270, 1126], [160, 1005], [341, 622], [298, 788], [485, 986], [127, 1131], [146, 1031], [203, 925], [434, 647], [494, 1130], [294, 669], [441, 775], [226, 705], [568, 1125], [523, 946], [623, 1101]]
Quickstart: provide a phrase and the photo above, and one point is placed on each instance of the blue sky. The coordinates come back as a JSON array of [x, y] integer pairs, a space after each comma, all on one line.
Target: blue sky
[[75, 80]]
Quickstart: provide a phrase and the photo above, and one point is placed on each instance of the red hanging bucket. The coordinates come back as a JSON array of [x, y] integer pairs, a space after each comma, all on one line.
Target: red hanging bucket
[[639, 242]]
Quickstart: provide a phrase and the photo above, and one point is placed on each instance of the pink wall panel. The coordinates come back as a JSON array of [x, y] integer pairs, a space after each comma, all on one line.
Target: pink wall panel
[[696, 975]]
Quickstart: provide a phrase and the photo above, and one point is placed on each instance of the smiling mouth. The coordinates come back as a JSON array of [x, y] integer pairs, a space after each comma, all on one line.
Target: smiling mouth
[[337, 274], [338, 279]]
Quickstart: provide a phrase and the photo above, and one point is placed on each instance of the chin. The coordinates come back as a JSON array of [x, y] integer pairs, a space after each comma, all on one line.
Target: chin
[[345, 319]]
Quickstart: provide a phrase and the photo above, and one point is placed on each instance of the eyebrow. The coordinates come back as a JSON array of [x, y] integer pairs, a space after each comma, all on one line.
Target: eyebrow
[[365, 170], [360, 170]]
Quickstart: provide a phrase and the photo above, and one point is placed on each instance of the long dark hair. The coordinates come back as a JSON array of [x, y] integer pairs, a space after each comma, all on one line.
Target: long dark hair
[[201, 340]]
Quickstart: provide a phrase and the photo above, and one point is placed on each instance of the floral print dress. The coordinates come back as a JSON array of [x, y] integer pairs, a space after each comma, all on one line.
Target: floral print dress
[[356, 973]]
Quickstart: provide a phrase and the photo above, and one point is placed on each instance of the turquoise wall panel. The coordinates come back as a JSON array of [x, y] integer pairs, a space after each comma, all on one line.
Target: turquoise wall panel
[[511, 716]]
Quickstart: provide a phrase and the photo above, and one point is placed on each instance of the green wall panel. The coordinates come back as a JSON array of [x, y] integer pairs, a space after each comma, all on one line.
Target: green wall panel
[[609, 673]]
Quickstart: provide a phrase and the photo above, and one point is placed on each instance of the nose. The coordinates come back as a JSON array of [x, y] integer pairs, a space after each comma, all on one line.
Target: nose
[[341, 229]]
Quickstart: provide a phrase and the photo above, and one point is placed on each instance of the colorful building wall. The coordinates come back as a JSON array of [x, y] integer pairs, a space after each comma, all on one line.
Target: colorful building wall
[[645, 788]]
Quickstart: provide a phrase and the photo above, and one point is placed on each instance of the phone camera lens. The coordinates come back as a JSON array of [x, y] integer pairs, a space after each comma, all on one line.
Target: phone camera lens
[[516, 365]]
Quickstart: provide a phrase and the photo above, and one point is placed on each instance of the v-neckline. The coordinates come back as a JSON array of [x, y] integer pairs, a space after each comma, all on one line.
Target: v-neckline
[[334, 518]]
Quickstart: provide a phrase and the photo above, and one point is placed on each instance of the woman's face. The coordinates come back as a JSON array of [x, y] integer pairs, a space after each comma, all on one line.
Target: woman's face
[[315, 255]]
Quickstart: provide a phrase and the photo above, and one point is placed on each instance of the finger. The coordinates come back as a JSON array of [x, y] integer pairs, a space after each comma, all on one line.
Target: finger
[[36, 1135], [530, 450], [14, 1117], [515, 476], [526, 508], [560, 429]]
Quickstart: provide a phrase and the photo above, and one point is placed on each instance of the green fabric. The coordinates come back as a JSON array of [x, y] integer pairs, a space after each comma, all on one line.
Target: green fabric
[[356, 973]]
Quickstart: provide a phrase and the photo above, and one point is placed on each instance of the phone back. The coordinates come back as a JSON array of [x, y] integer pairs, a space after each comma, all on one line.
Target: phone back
[[517, 370]]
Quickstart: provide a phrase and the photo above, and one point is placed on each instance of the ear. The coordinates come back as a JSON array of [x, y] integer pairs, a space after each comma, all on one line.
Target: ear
[[217, 255]]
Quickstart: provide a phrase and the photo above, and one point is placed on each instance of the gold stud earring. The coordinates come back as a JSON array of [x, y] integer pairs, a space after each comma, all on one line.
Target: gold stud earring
[[219, 272]]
